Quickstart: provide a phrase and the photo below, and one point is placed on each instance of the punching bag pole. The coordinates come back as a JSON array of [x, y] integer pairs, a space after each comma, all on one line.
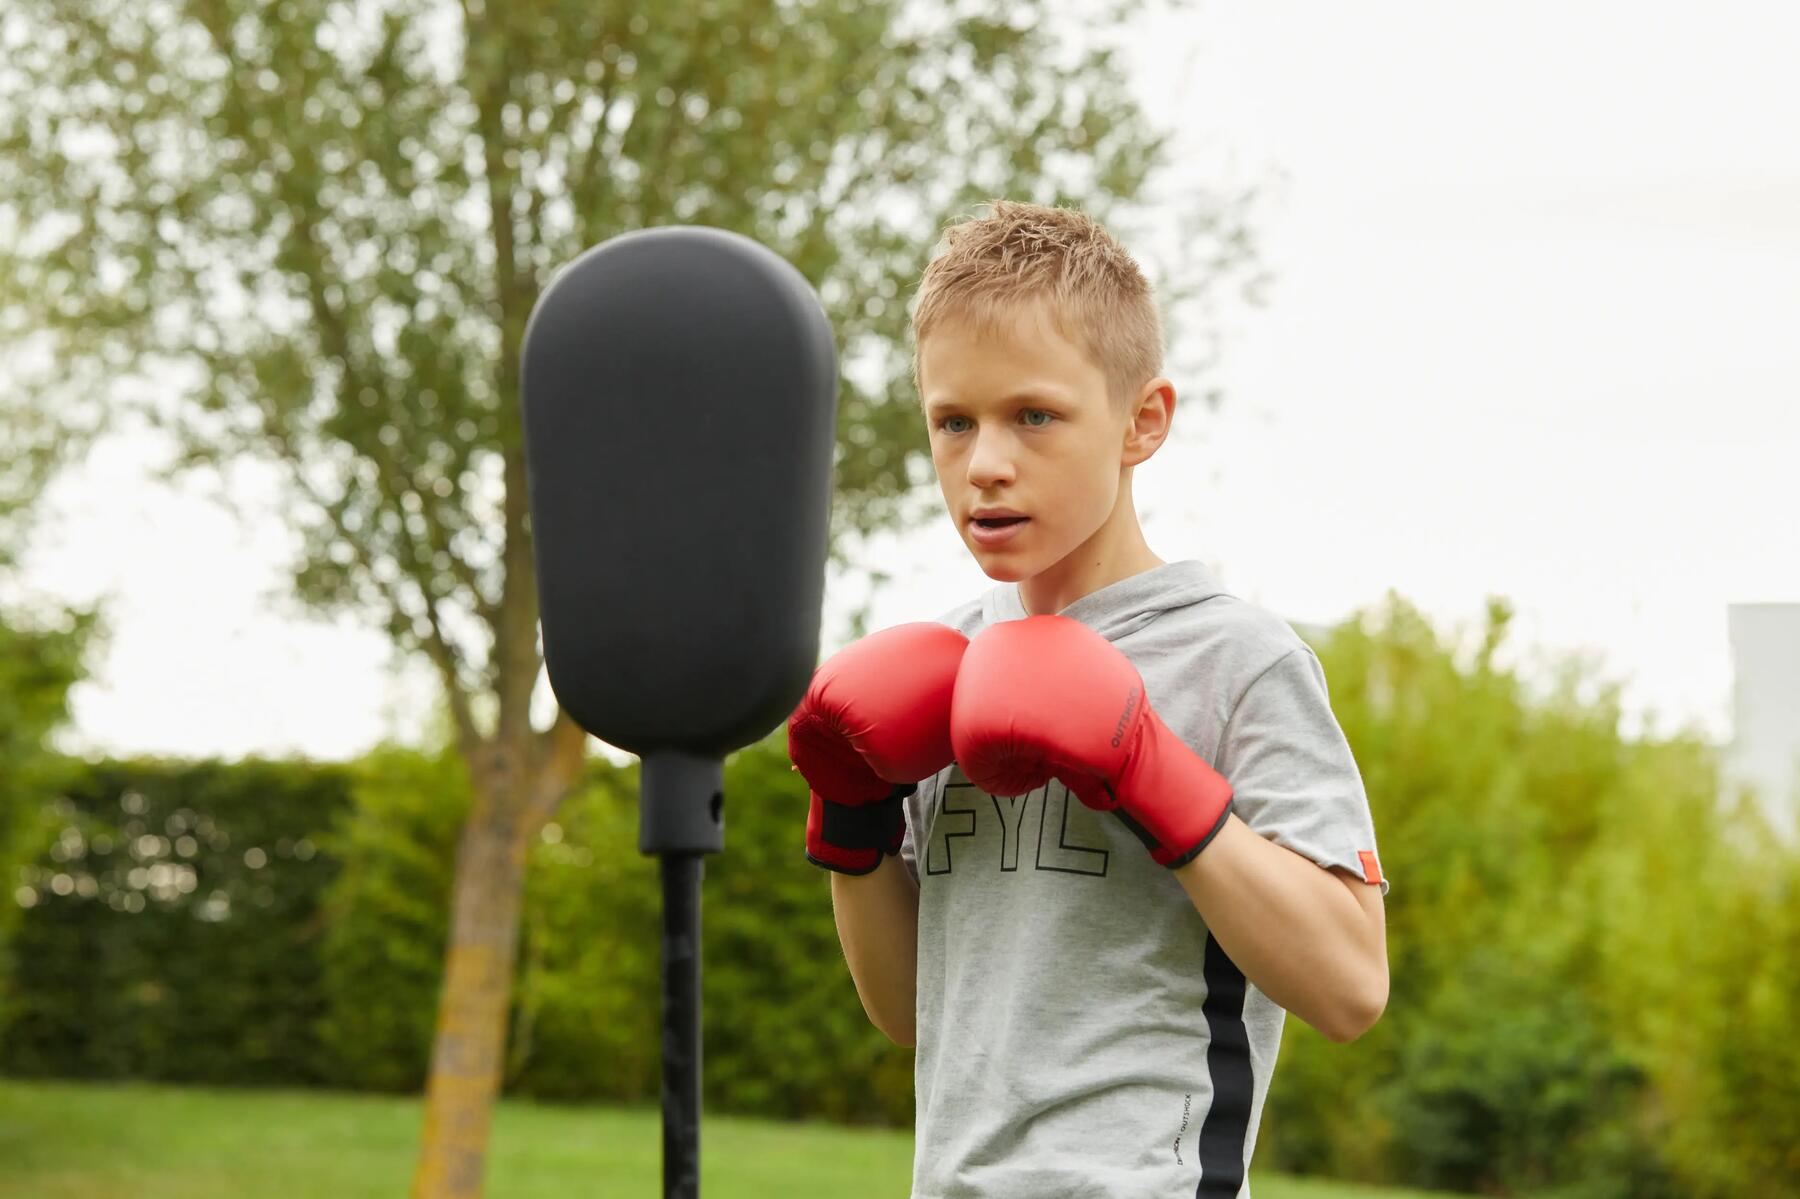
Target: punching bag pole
[[680, 809], [680, 397]]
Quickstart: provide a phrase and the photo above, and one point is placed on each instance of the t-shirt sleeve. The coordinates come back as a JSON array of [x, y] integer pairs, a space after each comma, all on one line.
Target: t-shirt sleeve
[[1293, 777]]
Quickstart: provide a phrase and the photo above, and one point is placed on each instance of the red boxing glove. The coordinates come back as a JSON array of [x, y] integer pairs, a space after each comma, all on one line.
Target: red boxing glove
[[874, 721], [1047, 697]]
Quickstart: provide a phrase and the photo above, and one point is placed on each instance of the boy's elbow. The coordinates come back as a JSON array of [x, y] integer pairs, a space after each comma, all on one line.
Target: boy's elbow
[[1360, 1015], [1352, 1027]]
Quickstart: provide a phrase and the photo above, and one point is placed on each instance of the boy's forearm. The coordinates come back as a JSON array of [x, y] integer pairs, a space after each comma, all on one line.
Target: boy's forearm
[[878, 924], [1294, 929]]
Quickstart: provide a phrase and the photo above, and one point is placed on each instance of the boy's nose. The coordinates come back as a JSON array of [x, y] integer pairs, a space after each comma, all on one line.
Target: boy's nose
[[990, 462]]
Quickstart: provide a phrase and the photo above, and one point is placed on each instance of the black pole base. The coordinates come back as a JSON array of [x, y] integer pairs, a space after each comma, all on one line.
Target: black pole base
[[681, 819]]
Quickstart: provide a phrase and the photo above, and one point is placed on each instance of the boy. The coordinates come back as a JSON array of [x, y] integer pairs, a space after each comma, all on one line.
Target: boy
[[1094, 832]]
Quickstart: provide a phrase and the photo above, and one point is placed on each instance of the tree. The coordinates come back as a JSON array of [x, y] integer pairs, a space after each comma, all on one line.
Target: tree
[[322, 226], [41, 657]]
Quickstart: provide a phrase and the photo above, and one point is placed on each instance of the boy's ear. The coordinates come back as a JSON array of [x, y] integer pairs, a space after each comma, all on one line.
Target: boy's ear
[[1152, 414]]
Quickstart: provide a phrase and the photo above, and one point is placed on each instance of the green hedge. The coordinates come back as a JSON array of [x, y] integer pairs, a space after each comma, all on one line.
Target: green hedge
[[784, 1031], [386, 917], [173, 928], [285, 923]]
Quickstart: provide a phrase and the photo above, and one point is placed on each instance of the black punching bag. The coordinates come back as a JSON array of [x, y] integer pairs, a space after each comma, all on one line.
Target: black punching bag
[[680, 389]]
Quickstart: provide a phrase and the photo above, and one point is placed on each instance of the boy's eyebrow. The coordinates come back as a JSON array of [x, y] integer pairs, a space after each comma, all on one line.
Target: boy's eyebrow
[[938, 401]]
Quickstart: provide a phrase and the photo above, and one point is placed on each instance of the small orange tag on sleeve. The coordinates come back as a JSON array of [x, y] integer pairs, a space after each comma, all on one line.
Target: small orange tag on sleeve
[[1371, 866]]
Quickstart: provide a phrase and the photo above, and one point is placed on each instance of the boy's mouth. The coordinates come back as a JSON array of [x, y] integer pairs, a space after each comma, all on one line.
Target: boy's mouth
[[992, 532]]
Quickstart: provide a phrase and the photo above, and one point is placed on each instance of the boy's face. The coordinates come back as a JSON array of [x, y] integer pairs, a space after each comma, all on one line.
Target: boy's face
[[1020, 421]]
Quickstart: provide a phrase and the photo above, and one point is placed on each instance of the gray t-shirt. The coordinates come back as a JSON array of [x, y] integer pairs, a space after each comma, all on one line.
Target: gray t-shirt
[[1079, 1031]]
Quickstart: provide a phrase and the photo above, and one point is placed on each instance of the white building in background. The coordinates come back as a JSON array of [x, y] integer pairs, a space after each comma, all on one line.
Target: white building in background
[[1764, 753]]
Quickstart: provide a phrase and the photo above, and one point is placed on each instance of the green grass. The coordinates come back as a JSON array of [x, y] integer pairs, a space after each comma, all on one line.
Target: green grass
[[83, 1141]]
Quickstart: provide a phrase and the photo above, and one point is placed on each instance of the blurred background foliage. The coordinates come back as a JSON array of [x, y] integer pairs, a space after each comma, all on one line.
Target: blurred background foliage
[[1594, 961]]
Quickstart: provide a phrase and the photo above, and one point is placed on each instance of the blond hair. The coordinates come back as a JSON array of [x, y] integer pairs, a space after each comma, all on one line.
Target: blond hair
[[1091, 287]]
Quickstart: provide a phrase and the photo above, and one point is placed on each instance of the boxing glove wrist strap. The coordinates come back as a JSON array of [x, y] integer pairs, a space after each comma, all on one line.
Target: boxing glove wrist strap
[[1171, 797], [867, 826]]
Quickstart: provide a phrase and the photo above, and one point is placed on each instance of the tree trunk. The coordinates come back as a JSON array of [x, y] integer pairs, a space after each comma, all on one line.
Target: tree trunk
[[470, 1045]]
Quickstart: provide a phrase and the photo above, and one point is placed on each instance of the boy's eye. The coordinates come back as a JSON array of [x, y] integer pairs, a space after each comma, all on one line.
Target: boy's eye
[[945, 424]]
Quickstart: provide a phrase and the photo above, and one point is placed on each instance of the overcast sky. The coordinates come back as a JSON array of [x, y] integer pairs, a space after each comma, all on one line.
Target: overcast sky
[[1534, 331]]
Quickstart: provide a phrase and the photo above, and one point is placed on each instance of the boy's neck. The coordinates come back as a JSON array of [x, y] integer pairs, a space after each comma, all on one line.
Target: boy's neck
[[1117, 550]]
